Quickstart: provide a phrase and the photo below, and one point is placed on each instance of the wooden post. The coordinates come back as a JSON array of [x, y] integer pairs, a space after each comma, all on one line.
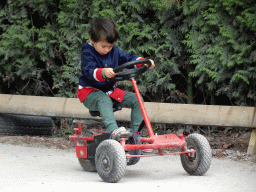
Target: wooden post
[[252, 143]]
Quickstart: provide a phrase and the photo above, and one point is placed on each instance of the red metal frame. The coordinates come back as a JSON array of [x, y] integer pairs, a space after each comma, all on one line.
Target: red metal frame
[[143, 110], [152, 142]]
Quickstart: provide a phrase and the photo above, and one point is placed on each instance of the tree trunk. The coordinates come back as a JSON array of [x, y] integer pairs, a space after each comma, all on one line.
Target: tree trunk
[[212, 97], [189, 85]]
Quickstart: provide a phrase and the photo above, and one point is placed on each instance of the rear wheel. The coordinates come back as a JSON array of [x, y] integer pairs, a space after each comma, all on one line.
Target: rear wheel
[[87, 165], [133, 140], [110, 161], [197, 163]]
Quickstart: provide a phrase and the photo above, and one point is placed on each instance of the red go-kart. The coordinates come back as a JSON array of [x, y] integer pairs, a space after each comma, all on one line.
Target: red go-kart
[[109, 157]]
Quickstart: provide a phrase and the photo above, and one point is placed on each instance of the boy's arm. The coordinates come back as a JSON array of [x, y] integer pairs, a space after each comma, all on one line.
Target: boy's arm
[[127, 57], [90, 69]]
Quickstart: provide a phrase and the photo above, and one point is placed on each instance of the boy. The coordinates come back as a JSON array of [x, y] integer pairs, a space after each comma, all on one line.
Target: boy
[[99, 57]]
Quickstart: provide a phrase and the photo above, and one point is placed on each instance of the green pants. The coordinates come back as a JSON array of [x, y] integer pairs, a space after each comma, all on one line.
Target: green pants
[[100, 101]]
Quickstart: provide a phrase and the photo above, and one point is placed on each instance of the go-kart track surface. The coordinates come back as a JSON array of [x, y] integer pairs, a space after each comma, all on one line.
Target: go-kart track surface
[[42, 169]]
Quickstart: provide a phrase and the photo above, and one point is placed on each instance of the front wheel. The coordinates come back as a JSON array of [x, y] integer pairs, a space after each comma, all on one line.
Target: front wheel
[[110, 161], [199, 162]]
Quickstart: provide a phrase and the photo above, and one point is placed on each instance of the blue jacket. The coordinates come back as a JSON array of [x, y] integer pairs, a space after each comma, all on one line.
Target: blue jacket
[[93, 64]]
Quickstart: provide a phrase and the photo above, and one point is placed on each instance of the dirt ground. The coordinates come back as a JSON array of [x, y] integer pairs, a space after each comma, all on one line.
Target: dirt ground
[[225, 142]]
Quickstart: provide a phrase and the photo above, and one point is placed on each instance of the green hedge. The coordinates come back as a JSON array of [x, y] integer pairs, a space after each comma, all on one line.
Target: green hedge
[[222, 44], [204, 50]]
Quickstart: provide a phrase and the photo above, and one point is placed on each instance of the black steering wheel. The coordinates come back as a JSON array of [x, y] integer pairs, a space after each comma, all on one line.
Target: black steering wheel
[[130, 72]]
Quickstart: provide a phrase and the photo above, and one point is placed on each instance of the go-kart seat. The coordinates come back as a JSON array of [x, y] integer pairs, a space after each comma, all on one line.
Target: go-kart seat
[[116, 107]]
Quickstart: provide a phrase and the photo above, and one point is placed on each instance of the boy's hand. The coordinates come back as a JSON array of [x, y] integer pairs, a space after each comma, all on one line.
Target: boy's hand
[[152, 64], [109, 73]]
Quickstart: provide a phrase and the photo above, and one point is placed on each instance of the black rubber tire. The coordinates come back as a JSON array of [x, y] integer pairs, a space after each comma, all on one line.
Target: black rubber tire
[[18, 125], [201, 161], [133, 140], [110, 161], [87, 165]]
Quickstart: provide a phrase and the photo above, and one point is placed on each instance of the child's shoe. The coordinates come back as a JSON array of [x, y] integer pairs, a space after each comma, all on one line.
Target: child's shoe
[[117, 134]]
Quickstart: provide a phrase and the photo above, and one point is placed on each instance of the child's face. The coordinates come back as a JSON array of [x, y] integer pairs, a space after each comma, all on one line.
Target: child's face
[[102, 47]]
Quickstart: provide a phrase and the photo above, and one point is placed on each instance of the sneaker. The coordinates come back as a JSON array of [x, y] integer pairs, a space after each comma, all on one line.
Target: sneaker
[[117, 134], [146, 151]]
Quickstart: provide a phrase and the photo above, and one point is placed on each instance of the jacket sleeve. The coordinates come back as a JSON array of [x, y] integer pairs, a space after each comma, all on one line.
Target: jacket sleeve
[[139, 65], [127, 57], [90, 67]]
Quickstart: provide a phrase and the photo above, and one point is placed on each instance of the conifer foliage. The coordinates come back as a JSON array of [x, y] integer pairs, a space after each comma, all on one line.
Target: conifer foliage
[[222, 44], [202, 48], [28, 46]]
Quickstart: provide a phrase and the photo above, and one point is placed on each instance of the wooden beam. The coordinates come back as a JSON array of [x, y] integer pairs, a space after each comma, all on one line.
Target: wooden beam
[[212, 115]]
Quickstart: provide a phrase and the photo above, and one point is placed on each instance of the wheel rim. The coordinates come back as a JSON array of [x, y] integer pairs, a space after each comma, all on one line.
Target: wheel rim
[[106, 162], [193, 158]]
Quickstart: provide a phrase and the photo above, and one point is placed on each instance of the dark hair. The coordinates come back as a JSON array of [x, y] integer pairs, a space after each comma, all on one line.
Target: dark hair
[[102, 27]]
